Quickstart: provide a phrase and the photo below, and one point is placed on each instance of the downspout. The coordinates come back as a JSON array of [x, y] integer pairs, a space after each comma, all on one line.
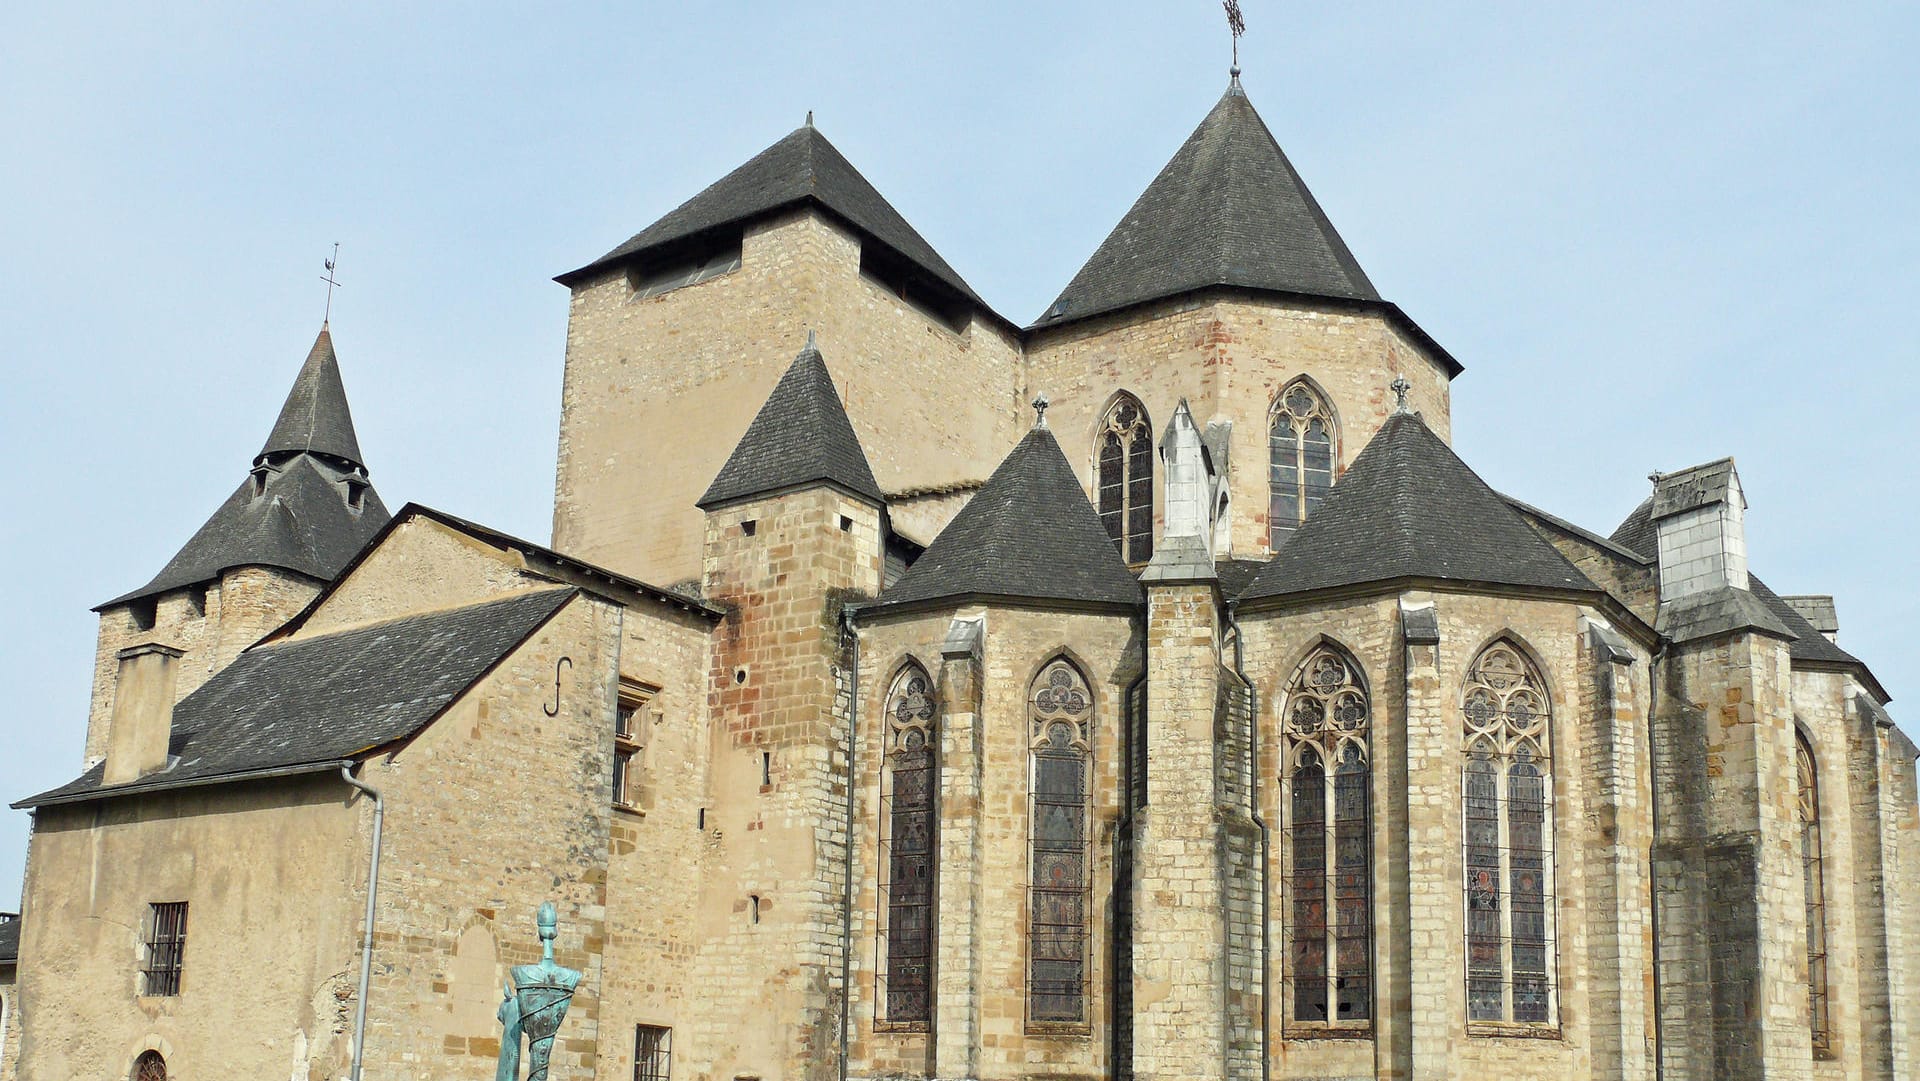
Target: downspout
[[366, 931], [852, 639], [1253, 811], [1655, 676]]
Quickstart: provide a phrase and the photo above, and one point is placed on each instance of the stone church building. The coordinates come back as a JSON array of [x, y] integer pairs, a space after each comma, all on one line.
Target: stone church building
[[1149, 691]]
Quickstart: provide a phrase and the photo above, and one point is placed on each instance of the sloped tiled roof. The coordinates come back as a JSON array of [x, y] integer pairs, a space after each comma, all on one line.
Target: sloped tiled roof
[[315, 417], [1029, 533], [328, 698], [803, 167], [1808, 643], [1410, 508], [1637, 533], [10, 941], [1228, 209], [800, 436]]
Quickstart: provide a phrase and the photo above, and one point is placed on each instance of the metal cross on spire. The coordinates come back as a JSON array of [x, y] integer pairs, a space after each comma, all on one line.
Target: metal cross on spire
[[331, 283], [1400, 387], [1238, 25], [1040, 404]]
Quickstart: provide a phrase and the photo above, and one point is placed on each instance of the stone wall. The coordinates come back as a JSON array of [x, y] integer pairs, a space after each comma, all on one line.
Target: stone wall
[[9, 1023]]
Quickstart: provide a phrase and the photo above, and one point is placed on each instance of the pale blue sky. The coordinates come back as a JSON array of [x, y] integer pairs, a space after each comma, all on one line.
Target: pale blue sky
[[1654, 234]]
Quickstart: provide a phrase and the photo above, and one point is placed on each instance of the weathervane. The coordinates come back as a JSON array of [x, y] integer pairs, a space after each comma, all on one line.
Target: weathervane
[[1238, 25], [331, 283]]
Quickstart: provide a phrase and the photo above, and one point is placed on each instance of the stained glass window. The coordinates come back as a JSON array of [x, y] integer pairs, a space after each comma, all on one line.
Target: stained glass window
[[907, 849], [1301, 456], [1329, 838], [1061, 747], [1507, 812], [1125, 478], [1814, 881]]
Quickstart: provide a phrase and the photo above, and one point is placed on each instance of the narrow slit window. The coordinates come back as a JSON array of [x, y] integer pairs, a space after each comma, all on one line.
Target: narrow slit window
[[1124, 478], [1061, 758], [909, 824]]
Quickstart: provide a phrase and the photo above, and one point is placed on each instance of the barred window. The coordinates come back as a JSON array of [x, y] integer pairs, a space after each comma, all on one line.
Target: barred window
[[1125, 478], [1328, 834], [1301, 457], [652, 1053], [1813, 878], [1508, 820], [1061, 757], [908, 828], [166, 948]]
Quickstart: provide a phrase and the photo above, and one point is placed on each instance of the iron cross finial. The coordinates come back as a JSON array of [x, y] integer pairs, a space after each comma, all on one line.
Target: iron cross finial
[[331, 262], [1400, 388], [1040, 404], [1237, 25]]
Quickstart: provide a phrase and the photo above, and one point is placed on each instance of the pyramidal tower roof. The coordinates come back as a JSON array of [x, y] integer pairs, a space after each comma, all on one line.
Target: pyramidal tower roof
[[1230, 210], [1410, 508], [801, 168], [1029, 533], [315, 418], [800, 436], [307, 506]]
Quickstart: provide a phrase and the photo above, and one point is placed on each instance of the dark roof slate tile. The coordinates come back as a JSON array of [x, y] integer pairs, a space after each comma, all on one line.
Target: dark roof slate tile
[[800, 436], [1408, 507], [315, 417], [331, 697]]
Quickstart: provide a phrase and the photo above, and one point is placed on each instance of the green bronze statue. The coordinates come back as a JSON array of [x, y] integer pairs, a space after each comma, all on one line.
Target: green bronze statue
[[536, 1002]]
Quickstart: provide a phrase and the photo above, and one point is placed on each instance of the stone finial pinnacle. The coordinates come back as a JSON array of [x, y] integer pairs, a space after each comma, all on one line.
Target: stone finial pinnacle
[[1040, 404], [809, 117], [1400, 387], [813, 343]]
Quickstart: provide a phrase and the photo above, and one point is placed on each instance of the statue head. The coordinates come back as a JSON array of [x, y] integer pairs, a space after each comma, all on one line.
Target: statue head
[[549, 922]]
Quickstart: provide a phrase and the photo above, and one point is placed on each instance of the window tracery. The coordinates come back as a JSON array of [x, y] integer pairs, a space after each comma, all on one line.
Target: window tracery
[[907, 848], [1061, 745], [1328, 803], [1507, 782], [1125, 478], [1813, 877], [1301, 456]]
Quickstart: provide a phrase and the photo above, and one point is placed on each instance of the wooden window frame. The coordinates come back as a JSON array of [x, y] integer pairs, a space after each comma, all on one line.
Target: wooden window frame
[[632, 716]]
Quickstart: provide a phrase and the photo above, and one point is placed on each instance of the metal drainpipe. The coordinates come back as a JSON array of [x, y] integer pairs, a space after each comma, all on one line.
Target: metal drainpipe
[[846, 897], [1253, 811], [366, 932]]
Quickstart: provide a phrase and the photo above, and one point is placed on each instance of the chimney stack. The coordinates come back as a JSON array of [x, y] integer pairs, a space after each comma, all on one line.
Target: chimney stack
[[142, 712], [1701, 517]]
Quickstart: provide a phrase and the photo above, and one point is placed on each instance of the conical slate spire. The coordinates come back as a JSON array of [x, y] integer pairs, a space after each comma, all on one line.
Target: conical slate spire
[[306, 507], [315, 418], [1028, 534], [1410, 508], [800, 436], [1230, 210]]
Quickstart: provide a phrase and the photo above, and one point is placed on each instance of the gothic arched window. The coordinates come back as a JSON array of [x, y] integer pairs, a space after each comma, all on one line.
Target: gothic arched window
[[1328, 805], [1124, 478], [1508, 818], [908, 821], [1814, 878], [1061, 745], [1301, 457]]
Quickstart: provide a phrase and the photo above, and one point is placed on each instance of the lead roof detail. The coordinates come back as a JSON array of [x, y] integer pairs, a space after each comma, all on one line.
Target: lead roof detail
[[800, 436], [1228, 210], [1408, 507], [307, 506]]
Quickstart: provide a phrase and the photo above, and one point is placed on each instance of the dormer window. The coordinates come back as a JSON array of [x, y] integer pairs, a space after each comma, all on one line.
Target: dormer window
[[356, 491], [722, 256], [901, 279], [260, 478]]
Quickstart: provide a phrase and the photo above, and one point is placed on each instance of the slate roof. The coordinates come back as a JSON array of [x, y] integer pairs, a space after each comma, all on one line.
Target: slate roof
[[10, 941], [1408, 507], [1029, 533], [315, 417], [1228, 209], [800, 436], [321, 700], [801, 168], [1637, 533], [301, 520]]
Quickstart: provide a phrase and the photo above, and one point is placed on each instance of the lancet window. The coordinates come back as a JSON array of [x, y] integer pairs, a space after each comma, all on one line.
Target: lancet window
[[1508, 782], [1814, 878], [908, 826], [1328, 831], [1125, 478], [1061, 759], [1301, 456]]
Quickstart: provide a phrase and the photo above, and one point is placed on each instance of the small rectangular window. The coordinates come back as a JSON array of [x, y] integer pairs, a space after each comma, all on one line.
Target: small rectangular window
[[166, 948], [629, 746], [652, 1053]]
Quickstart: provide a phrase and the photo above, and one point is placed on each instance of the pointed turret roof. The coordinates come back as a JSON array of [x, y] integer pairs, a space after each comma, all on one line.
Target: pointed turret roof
[[1028, 534], [315, 417], [800, 436], [307, 506], [1410, 508], [803, 167], [1229, 209]]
